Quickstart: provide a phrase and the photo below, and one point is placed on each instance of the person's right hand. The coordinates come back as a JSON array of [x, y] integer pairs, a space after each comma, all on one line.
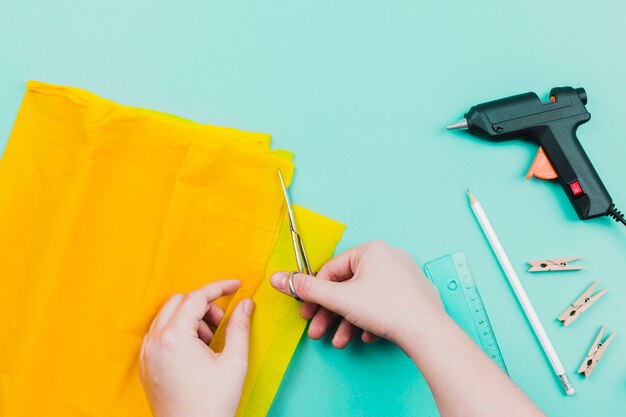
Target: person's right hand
[[374, 287]]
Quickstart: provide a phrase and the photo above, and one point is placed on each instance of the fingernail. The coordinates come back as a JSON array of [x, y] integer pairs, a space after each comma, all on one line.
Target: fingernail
[[247, 306], [279, 280]]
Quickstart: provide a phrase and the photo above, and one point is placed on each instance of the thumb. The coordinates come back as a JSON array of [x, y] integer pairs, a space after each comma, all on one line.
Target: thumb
[[311, 289], [238, 332]]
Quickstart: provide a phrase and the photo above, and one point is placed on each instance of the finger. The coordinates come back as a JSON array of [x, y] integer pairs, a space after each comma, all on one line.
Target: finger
[[319, 291], [144, 343], [167, 311], [143, 348], [344, 265], [204, 333], [213, 315], [195, 304], [142, 359], [238, 332], [308, 310], [368, 337], [321, 322], [344, 334]]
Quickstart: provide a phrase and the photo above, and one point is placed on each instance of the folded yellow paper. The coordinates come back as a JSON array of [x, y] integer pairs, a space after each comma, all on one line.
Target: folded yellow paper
[[106, 210], [274, 345]]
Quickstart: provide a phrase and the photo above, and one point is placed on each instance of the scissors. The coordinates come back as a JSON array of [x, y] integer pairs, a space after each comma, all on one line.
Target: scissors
[[298, 247]]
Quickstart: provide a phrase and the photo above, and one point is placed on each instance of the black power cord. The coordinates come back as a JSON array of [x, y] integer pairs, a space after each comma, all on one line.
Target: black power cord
[[616, 214]]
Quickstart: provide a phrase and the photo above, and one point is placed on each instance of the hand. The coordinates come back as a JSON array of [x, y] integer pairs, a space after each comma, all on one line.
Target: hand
[[374, 287], [380, 290], [180, 374]]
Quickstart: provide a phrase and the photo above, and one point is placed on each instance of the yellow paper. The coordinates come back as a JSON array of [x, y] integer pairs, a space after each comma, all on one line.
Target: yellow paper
[[273, 346], [105, 211]]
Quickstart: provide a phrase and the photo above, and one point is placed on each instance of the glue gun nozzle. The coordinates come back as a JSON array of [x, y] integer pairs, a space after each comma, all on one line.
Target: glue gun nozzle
[[458, 125]]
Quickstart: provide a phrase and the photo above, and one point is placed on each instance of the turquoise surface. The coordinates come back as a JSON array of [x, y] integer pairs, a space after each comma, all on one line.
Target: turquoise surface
[[361, 92]]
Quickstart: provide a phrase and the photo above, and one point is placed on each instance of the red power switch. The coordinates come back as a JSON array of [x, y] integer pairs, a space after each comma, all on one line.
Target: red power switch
[[576, 188]]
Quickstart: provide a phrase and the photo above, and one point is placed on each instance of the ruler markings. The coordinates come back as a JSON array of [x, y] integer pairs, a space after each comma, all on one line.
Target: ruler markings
[[459, 293]]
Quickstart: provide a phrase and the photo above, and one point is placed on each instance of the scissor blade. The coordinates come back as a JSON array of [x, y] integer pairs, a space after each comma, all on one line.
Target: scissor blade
[[292, 220], [296, 250], [305, 259]]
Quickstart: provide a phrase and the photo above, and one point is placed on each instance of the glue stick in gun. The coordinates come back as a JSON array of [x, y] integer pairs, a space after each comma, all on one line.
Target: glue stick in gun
[[552, 125]]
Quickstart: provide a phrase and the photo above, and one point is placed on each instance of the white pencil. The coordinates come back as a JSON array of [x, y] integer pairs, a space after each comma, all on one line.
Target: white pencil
[[522, 297]]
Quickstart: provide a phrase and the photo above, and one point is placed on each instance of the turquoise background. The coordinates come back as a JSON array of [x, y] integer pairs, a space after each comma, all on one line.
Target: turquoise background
[[361, 92]]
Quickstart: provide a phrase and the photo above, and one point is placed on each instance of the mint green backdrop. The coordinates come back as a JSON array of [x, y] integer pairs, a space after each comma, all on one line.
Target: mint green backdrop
[[361, 92]]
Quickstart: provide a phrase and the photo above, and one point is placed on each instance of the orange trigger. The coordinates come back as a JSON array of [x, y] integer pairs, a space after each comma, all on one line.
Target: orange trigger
[[541, 167]]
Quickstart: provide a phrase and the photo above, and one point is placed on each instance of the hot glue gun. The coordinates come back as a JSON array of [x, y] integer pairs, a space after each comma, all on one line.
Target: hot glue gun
[[552, 125]]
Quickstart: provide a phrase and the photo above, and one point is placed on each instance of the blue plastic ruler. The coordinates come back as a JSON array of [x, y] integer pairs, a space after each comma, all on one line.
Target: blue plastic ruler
[[453, 278]]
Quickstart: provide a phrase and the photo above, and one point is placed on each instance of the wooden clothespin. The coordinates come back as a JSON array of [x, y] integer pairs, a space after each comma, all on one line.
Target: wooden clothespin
[[561, 264], [581, 304], [595, 353]]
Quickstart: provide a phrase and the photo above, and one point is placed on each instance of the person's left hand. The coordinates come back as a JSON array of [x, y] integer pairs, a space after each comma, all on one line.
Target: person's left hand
[[180, 374]]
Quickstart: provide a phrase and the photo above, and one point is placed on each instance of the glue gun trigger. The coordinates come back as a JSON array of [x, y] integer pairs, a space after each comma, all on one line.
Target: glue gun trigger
[[541, 167]]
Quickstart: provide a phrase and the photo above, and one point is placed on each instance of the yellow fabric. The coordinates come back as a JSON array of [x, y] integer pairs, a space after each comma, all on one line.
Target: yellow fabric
[[106, 210]]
